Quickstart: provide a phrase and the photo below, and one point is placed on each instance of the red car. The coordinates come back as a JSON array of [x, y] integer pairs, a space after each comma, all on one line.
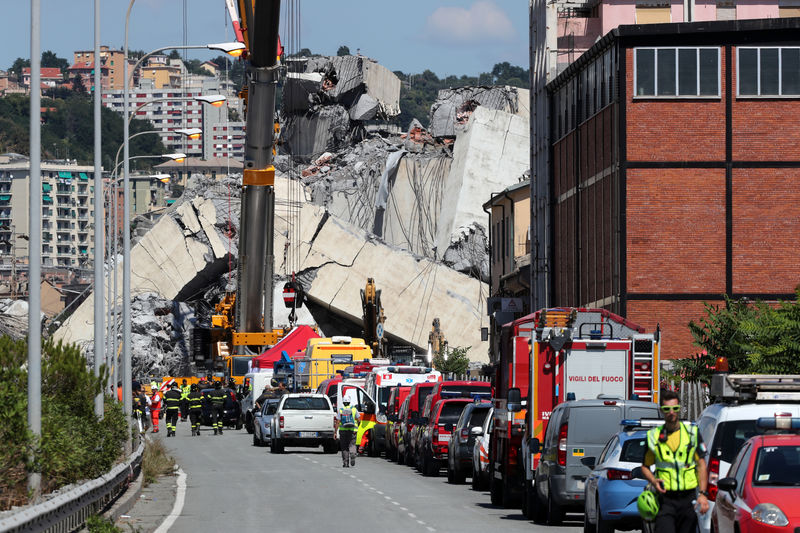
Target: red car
[[762, 490]]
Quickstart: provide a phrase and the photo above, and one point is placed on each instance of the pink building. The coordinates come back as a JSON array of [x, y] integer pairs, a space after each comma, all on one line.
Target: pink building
[[50, 77], [581, 24]]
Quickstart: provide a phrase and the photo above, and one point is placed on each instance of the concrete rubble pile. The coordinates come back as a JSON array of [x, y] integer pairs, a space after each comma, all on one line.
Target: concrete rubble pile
[[14, 318], [326, 101], [396, 187]]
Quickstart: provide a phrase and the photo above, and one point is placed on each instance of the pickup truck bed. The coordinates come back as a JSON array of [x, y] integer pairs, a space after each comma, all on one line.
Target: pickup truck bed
[[303, 420]]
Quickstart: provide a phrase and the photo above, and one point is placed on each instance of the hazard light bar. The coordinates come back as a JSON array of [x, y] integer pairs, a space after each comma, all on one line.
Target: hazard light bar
[[778, 422], [630, 423], [410, 369]]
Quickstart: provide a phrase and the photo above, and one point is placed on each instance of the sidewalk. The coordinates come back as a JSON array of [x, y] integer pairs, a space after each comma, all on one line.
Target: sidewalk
[[153, 504]]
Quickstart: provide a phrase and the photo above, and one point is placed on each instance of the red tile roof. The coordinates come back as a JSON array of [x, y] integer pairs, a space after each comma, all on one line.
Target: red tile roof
[[47, 72]]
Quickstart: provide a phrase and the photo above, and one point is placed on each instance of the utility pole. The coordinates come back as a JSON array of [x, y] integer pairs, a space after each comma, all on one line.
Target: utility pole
[[99, 341]]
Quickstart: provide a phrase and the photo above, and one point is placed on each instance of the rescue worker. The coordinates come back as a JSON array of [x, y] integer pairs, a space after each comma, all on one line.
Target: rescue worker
[[195, 401], [185, 389], [172, 401], [677, 450], [266, 394], [155, 405], [348, 418], [138, 407], [217, 398]]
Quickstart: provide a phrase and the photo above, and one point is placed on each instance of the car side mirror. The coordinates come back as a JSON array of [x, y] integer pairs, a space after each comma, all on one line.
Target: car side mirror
[[514, 400], [477, 431], [637, 473], [534, 446], [589, 461], [727, 484], [448, 427]]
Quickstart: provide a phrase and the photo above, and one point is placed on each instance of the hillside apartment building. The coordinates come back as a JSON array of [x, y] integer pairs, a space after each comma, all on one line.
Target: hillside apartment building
[[664, 156]]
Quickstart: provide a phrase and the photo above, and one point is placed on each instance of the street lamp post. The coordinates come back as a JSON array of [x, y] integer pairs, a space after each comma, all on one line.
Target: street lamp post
[[98, 215]]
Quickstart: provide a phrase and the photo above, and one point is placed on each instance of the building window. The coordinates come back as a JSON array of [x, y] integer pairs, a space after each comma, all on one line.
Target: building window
[[671, 72], [653, 13], [726, 10], [768, 71]]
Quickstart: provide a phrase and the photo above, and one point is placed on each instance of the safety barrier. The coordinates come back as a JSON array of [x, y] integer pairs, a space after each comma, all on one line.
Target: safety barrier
[[69, 511]]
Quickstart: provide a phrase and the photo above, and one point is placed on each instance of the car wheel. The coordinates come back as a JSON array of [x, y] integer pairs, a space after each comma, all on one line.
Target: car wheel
[[602, 526], [408, 458], [372, 448], [276, 446], [458, 477], [256, 442], [588, 527], [433, 467], [248, 423], [238, 424], [535, 508], [495, 490], [476, 480], [555, 515], [401, 457]]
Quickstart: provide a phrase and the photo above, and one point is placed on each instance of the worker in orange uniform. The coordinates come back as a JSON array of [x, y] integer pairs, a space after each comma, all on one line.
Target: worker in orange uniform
[[155, 405]]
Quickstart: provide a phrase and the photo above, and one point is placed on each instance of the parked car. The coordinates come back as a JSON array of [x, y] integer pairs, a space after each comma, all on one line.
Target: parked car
[[402, 416], [727, 424], [231, 410], [262, 421], [416, 400], [611, 489], [762, 489], [462, 440], [397, 396], [303, 419], [435, 433], [576, 430], [254, 384], [480, 453]]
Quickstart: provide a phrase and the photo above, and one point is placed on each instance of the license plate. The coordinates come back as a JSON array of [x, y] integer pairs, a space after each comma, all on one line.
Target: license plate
[[308, 434], [580, 484]]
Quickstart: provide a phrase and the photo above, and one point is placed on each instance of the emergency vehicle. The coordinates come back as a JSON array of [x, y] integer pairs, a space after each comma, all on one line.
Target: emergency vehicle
[[379, 384], [552, 356]]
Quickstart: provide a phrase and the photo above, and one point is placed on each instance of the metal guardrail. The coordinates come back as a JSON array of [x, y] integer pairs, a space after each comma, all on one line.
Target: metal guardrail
[[69, 511]]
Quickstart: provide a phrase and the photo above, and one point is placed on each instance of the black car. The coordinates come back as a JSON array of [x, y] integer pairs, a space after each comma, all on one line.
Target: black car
[[462, 441], [231, 411]]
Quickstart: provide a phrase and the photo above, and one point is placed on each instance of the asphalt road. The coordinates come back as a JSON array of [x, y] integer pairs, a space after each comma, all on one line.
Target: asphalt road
[[233, 486]]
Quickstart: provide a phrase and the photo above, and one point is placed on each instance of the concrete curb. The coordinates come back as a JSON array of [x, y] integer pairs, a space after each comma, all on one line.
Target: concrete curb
[[127, 500]]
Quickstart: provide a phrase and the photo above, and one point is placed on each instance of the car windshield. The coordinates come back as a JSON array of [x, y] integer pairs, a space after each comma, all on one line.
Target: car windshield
[[730, 438], [478, 416], [633, 451], [307, 403], [383, 398], [423, 393], [451, 411], [777, 465], [270, 408]]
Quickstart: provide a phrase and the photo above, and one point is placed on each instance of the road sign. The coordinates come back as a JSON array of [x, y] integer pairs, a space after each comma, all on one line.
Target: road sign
[[379, 330]]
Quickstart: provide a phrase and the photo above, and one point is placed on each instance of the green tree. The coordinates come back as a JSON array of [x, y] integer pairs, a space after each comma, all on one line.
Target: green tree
[[51, 60], [755, 337], [174, 55], [17, 66], [77, 84], [452, 360], [343, 51]]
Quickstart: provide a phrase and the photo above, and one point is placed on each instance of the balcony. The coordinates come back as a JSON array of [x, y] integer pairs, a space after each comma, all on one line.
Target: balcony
[[83, 191]]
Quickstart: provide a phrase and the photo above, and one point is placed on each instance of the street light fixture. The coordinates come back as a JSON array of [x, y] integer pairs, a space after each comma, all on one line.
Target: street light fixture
[[214, 99], [192, 133], [234, 49]]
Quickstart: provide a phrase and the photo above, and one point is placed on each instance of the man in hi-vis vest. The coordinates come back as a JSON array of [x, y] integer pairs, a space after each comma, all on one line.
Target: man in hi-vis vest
[[348, 418], [677, 451]]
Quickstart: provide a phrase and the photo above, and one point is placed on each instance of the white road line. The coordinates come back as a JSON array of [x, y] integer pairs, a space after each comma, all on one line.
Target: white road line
[[403, 509], [430, 528], [412, 515], [352, 476], [395, 503], [178, 507], [379, 492], [420, 522], [388, 497]]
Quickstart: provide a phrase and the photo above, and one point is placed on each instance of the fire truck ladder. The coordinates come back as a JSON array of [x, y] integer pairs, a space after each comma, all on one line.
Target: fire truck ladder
[[645, 376]]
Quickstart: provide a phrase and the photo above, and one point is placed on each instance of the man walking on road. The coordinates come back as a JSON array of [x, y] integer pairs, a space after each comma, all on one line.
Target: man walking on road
[[185, 389], [677, 450], [195, 400], [348, 418], [172, 401], [217, 398]]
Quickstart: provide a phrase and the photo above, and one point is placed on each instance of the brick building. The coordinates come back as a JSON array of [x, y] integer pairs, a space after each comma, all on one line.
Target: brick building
[[675, 171]]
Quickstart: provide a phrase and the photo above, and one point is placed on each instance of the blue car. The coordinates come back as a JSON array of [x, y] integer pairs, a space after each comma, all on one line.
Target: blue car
[[610, 490]]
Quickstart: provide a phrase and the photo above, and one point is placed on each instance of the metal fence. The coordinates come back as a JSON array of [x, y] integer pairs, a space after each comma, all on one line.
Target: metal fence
[[69, 511], [693, 399]]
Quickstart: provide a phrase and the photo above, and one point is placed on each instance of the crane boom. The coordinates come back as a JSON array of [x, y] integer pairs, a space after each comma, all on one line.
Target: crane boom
[[254, 291]]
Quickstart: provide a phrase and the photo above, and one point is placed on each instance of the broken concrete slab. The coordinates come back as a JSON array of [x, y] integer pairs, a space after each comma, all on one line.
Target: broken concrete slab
[[365, 108], [491, 152], [325, 129], [338, 257], [453, 106], [207, 215], [300, 90]]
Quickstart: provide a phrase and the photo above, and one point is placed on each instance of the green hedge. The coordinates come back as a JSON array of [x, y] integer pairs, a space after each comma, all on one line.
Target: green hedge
[[75, 444]]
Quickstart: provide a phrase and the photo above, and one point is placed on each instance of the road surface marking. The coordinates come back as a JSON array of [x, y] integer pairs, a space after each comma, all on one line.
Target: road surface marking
[[420, 522], [387, 497], [404, 509], [430, 528], [395, 503], [178, 507], [379, 492], [352, 476], [412, 515]]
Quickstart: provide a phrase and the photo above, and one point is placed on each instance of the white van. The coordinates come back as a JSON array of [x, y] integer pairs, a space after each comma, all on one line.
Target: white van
[[726, 425], [254, 385]]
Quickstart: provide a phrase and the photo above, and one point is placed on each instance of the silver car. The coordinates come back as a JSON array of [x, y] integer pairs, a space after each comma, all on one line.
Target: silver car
[[261, 425], [480, 454]]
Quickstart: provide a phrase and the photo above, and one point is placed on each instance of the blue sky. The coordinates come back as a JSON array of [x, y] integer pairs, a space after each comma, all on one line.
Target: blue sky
[[447, 37]]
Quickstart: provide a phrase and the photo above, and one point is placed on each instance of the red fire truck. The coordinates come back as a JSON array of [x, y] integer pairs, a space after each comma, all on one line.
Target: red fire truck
[[555, 355]]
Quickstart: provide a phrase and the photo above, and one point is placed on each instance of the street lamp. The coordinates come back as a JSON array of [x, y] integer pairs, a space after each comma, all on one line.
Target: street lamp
[[214, 99], [235, 49]]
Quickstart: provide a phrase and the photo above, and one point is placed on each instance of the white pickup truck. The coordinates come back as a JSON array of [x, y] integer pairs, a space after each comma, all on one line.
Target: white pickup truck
[[303, 419]]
